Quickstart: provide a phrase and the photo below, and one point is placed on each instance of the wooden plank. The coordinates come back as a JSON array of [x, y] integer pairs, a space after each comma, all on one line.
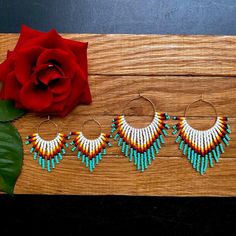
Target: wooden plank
[[172, 71], [169, 93], [152, 54], [27, 125], [116, 176]]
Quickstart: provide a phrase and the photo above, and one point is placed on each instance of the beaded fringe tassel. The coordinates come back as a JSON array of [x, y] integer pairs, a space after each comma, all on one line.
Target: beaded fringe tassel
[[92, 151], [201, 147], [48, 153], [140, 145]]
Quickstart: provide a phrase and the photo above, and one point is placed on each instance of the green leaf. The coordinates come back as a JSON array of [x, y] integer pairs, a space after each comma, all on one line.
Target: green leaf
[[8, 112], [11, 157]]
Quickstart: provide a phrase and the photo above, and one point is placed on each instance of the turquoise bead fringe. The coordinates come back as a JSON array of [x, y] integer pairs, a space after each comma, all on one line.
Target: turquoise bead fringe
[[200, 163], [93, 162], [141, 159], [47, 164]]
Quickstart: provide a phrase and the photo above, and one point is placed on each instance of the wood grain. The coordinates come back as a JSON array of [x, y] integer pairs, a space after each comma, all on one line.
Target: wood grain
[[169, 94], [27, 124], [166, 176], [152, 54], [172, 71]]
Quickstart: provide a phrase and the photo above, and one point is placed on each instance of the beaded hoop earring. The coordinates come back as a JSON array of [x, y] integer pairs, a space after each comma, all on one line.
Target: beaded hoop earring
[[202, 146], [48, 152], [141, 145], [90, 151]]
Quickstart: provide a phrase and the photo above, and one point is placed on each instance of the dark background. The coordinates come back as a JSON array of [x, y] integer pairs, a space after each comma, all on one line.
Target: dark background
[[69, 215], [121, 16]]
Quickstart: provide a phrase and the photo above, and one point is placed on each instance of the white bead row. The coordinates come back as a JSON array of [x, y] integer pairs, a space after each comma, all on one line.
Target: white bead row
[[202, 138], [140, 136], [90, 144], [45, 145]]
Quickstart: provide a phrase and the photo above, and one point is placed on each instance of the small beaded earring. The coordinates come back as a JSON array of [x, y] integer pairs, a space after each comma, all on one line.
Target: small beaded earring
[[140, 144], [48, 153], [90, 151], [202, 146]]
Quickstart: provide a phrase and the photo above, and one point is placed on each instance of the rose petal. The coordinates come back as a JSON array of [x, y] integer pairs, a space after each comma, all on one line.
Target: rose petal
[[6, 67], [63, 108], [19, 105], [11, 87], [64, 112], [67, 56], [55, 109], [48, 75], [62, 96], [26, 35], [47, 40], [35, 98], [25, 61], [51, 39], [48, 65], [41, 68], [85, 97], [80, 94], [60, 58], [79, 49], [61, 85], [58, 109], [9, 53]]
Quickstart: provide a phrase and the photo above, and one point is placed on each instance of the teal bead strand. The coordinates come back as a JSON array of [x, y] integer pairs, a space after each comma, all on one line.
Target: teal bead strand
[[56, 159], [158, 143], [131, 154], [139, 161], [123, 147], [202, 166], [79, 154], [198, 163], [86, 161], [120, 142], [149, 156], [43, 163], [205, 163], [161, 139], [153, 153], [49, 165], [35, 155], [40, 160], [126, 150], [178, 139], [189, 153], [53, 163], [90, 166], [97, 159], [155, 147], [210, 159], [145, 160]]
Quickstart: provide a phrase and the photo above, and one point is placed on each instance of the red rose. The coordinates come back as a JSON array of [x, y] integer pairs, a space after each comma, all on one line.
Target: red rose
[[46, 73]]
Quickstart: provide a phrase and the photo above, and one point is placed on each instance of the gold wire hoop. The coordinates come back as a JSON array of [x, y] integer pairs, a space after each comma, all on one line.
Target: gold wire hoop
[[94, 120], [45, 121], [137, 98], [200, 100]]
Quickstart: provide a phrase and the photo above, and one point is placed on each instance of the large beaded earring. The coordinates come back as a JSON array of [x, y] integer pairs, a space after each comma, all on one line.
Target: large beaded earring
[[47, 152], [90, 151], [201, 147], [140, 145]]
